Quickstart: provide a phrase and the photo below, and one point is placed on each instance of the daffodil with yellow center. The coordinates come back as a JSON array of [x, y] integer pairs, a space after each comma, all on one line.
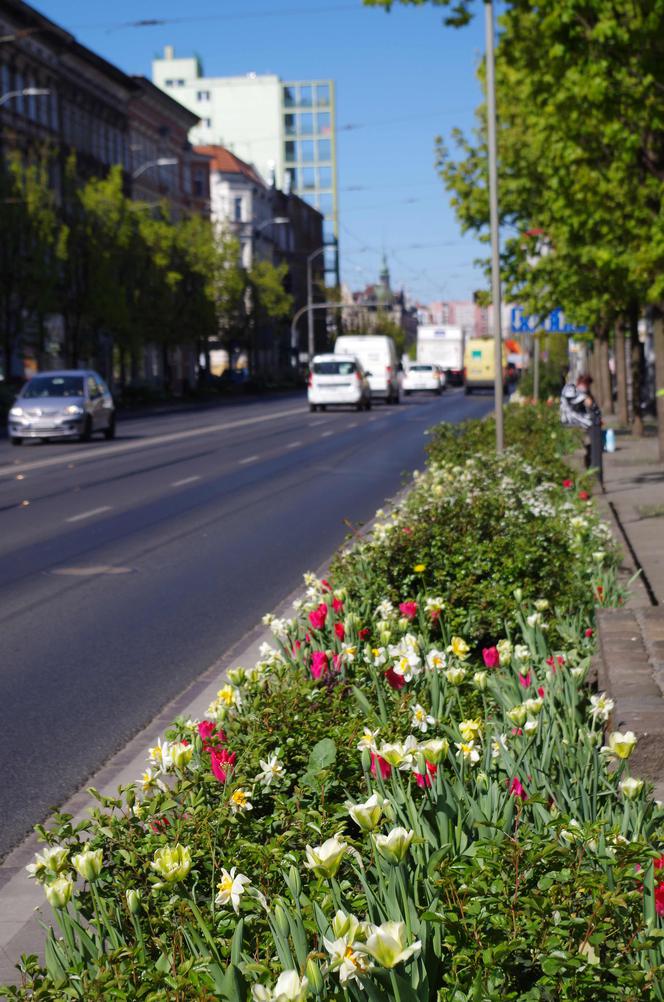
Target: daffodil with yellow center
[[471, 730], [239, 801], [459, 648]]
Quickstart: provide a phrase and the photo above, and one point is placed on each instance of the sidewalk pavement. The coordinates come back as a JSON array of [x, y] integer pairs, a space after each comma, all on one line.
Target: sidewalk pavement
[[630, 659]]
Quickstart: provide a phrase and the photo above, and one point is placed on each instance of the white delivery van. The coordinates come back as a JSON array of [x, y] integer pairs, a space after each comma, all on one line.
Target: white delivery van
[[442, 345], [377, 354]]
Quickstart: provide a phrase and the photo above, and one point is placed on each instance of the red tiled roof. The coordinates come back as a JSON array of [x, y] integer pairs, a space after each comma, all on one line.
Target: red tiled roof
[[223, 160]]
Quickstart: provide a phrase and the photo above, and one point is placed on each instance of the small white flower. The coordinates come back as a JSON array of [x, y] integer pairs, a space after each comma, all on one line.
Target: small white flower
[[601, 706], [271, 769], [422, 720], [231, 887], [368, 740], [467, 751], [436, 660]]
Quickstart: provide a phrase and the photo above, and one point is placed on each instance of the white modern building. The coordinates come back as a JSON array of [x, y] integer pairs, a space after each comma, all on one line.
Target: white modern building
[[286, 130]]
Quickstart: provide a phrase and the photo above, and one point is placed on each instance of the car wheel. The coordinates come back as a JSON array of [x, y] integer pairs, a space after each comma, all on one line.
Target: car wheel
[[109, 433], [359, 406], [16, 440], [369, 403], [313, 408], [407, 393], [322, 407], [86, 434], [397, 398], [439, 391], [467, 390]]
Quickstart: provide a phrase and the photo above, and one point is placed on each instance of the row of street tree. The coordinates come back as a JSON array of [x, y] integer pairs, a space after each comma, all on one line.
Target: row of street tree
[[120, 273], [580, 105]]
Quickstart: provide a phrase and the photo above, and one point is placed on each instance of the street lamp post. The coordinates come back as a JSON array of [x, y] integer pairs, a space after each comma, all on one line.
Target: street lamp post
[[493, 217], [159, 162], [24, 92], [310, 315]]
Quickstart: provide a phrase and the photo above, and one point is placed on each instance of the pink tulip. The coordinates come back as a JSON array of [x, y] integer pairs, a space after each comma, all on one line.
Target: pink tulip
[[337, 605], [379, 763], [516, 789], [318, 616], [319, 664], [409, 610], [491, 657], [540, 691], [524, 680], [339, 631], [424, 779], [221, 763]]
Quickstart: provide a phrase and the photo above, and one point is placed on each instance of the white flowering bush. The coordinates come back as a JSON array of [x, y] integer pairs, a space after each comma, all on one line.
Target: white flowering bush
[[386, 806]]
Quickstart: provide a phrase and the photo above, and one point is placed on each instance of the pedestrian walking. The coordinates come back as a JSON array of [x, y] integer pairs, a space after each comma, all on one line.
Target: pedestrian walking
[[579, 409]]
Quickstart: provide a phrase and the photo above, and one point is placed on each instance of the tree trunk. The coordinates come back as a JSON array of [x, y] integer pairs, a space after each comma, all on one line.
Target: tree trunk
[[637, 369], [621, 372], [658, 344], [606, 395]]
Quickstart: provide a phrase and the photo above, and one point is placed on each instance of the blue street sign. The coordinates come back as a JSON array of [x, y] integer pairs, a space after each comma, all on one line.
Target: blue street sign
[[554, 323]]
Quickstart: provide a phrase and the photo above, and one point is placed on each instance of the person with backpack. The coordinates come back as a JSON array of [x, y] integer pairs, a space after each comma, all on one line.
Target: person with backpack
[[579, 409]]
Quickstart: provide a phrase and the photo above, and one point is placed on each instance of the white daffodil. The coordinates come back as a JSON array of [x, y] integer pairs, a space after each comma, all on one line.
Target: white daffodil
[[498, 744], [231, 887], [239, 801], [368, 740], [272, 769], [378, 656], [421, 720], [346, 961], [290, 987], [394, 846], [467, 751], [601, 706], [368, 815], [326, 859], [436, 660], [386, 944]]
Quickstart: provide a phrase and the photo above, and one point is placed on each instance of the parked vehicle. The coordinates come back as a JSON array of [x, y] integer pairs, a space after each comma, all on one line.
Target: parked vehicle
[[480, 364], [442, 345], [377, 355], [72, 403], [423, 378], [336, 380]]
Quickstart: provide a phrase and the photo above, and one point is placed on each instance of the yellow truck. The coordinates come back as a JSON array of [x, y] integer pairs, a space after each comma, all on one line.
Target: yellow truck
[[479, 364]]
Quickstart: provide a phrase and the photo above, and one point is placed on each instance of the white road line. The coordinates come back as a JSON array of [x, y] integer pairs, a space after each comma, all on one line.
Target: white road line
[[293, 445], [114, 450], [325, 434], [353, 424], [187, 480], [314, 424], [249, 459], [88, 514]]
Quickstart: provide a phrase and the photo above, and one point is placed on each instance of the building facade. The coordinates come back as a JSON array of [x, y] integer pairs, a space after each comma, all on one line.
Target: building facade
[[286, 129]]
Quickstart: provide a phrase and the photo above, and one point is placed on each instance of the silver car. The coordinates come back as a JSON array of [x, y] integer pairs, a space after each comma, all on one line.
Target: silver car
[[73, 403]]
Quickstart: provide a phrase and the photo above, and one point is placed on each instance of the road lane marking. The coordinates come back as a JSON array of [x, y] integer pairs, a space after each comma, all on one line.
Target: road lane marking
[[187, 480], [248, 459], [353, 424], [293, 445], [142, 443], [88, 514], [326, 433]]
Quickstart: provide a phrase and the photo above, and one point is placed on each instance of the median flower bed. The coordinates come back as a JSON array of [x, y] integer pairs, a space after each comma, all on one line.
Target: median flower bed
[[414, 795]]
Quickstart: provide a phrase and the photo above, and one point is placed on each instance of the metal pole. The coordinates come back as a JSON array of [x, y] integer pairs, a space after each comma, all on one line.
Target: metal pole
[[495, 236], [310, 313], [536, 366]]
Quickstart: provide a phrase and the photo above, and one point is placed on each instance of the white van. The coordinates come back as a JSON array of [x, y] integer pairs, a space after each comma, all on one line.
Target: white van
[[377, 354]]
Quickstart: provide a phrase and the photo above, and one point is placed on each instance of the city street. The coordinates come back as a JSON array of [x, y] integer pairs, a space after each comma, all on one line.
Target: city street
[[128, 567]]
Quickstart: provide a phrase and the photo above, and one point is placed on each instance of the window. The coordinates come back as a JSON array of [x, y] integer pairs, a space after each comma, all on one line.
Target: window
[[306, 123], [203, 95], [199, 184], [306, 97], [291, 176], [237, 210], [289, 125], [169, 83], [93, 389], [290, 97], [179, 83], [334, 368], [324, 177], [54, 386], [206, 123], [291, 151], [324, 149], [307, 151], [323, 122], [328, 231], [308, 178], [323, 95], [325, 204]]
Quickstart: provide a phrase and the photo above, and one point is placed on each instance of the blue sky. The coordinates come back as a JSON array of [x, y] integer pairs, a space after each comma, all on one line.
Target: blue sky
[[402, 78]]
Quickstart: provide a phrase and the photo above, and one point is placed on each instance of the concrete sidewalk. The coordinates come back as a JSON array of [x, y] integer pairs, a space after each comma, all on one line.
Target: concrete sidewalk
[[631, 639]]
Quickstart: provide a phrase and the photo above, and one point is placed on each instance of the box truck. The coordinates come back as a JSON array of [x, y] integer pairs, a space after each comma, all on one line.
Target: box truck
[[442, 345]]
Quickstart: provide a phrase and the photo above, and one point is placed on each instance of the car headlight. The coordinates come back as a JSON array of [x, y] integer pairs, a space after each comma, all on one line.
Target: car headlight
[[17, 412], [74, 410]]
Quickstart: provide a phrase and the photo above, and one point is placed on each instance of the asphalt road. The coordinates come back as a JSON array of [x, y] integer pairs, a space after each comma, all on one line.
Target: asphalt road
[[128, 567]]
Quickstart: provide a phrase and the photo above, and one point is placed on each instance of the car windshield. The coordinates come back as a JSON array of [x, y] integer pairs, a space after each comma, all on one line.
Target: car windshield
[[333, 368], [54, 386], [421, 368]]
